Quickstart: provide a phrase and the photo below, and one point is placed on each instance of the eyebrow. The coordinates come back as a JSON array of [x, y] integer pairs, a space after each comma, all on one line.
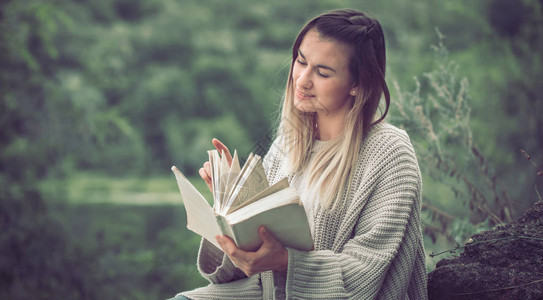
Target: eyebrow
[[319, 66]]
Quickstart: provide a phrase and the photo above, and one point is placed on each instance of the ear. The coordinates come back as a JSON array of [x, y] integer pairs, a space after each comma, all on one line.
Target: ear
[[354, 89]]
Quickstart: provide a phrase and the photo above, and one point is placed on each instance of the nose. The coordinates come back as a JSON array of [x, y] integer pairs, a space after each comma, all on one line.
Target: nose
[[304, 79]]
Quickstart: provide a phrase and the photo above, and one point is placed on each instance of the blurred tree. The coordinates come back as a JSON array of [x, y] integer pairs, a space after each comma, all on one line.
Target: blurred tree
[[507, 17], [519, 26], [38, 260]]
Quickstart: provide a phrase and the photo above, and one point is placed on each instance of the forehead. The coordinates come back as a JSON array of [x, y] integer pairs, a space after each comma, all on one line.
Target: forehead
[[324, 50]]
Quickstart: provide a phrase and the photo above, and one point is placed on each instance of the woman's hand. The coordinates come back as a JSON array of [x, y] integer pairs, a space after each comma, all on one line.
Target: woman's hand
[[205, 172], [270, 256]]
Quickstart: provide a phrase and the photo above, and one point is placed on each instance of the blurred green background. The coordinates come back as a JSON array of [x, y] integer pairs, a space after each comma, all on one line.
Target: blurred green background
[[100, 98]]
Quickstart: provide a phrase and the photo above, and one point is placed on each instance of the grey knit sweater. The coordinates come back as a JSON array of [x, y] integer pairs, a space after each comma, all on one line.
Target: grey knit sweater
[[369, 248]]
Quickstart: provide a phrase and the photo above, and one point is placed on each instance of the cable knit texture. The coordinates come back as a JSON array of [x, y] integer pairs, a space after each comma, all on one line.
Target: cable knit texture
[[370, 247]]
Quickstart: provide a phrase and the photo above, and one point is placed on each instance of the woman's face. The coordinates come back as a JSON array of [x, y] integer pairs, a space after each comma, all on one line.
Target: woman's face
[[321, 76]]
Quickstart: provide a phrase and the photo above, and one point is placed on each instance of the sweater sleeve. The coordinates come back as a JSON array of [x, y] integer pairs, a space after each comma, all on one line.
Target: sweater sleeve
[[385, 233], [215, 266]]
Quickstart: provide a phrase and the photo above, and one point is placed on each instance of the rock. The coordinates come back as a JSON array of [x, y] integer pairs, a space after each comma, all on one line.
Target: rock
[[502, 263]]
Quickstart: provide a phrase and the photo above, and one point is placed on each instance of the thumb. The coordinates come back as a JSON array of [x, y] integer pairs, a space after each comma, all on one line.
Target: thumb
[[266, 236]]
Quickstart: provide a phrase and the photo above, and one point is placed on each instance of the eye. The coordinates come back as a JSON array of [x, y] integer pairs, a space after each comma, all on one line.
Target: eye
[[301, 62], [322, 75]]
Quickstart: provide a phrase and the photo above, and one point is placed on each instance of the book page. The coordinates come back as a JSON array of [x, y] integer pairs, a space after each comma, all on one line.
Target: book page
[[211, 160], [252, 182], [200, 216], [215, 162], [280, 185], [223, 170], [231, 177], [237, 180]]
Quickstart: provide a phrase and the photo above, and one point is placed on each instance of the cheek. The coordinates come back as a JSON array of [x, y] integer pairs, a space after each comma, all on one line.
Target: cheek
[[295, 73], [346, 86], [339, 89]]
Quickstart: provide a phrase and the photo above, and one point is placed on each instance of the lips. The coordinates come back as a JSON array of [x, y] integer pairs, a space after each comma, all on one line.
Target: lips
[[302, 95]]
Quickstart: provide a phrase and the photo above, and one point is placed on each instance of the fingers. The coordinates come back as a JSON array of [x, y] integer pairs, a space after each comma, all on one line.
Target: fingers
[[270, 256], [240, 258], [221, 147], [271, 246], [228, 246], [205, 173], [207, 169]]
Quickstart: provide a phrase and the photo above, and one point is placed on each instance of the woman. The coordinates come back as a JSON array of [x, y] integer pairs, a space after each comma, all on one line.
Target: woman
[[357, 177]]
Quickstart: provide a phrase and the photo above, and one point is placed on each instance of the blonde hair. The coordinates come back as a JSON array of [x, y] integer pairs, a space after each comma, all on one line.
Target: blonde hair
[[331, 172]]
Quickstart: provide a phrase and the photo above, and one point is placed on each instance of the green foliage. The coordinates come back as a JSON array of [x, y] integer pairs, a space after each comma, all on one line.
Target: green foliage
[[437, 114], [189, 139], [38, 260], [155, 252]]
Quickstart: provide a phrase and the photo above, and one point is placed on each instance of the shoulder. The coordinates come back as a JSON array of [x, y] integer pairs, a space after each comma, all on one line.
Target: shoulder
[[386, 166], [385, 132], [387, 150], [385, 138]]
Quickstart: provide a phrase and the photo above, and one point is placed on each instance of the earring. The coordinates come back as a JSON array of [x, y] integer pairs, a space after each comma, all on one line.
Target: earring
[[353, 92]]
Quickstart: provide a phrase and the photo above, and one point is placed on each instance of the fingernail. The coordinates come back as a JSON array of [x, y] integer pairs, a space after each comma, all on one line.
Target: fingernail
[[263, 229]]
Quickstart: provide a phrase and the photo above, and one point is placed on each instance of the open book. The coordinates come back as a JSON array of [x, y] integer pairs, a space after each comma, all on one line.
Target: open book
[[243, 201]]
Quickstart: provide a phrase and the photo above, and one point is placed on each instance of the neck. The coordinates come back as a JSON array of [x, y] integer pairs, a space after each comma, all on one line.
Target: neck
[[329, 126]]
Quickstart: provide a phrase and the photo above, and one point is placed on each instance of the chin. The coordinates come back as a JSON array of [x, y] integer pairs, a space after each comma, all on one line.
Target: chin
[[305, 106]]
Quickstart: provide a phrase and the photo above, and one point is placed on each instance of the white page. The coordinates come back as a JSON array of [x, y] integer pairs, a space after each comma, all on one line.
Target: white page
[[251, 182], [231, 177], [278, 186], [213, 183], [215, 162], [237, 180], [200, 216], [224, 169]]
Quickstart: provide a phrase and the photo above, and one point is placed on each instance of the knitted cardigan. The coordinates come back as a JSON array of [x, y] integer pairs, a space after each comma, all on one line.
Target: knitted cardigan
[[368, 248]]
